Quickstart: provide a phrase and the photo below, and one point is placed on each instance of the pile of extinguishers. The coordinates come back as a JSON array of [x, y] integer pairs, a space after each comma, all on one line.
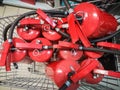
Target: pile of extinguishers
[[70, 45]]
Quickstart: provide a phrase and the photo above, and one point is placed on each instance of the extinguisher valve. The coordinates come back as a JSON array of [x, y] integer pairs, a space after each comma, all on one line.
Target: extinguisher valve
[[79, 18], [81, 48], [42, 22], [18, 24], [38, 42], [57, 29], [26, 28], [13, 49], [71, 10], [95, 76], [65, 26], [47, 47]]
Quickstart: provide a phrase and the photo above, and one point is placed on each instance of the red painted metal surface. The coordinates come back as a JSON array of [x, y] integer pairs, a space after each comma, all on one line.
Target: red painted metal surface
[[86, 42], [96, 23], [7, 56], [72, 28], [109, 45], [29, 21], [11, 56], [76, 29], [68, 45], [25, 45], [82, 35], [8, 62], [92, 77], [4, 52], [40, 55], [28, 32], [46, 18], [59, 70], [17, 55], [72, 54], [85, 69], [49, 33]]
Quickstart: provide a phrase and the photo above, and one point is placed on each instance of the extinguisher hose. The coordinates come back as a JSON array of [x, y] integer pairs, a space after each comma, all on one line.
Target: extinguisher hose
[[66, 85], [56, 13], [106, 38], [10, 36], [100, 50], [5, 38], [64, 34]]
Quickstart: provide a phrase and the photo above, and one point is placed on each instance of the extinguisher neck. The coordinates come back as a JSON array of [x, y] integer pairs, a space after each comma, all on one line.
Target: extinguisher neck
[[10, 40], [70, 74], [70, 10], [79, 19]]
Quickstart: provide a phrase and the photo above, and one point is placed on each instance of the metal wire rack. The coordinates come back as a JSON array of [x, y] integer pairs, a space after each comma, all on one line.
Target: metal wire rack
[[32, 76], [25, 77]]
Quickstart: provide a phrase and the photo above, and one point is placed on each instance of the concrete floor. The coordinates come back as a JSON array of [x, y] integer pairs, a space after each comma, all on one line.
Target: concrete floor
[[10, 10]]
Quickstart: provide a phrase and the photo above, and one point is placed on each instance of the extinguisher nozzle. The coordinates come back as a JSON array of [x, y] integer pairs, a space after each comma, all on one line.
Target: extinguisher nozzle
[[66, 85], [15, 65]]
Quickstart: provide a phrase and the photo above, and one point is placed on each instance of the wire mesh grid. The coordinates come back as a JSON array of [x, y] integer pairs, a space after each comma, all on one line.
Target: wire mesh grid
[[32, 76], [27, 78]]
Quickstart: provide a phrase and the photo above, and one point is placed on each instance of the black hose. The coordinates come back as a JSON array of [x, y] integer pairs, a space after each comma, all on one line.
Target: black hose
[[56, 15], [105, 38], [100, 50], [5, 31], [64, 34], [64, 87], [66, 84], [10, 36], [55, 12]]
